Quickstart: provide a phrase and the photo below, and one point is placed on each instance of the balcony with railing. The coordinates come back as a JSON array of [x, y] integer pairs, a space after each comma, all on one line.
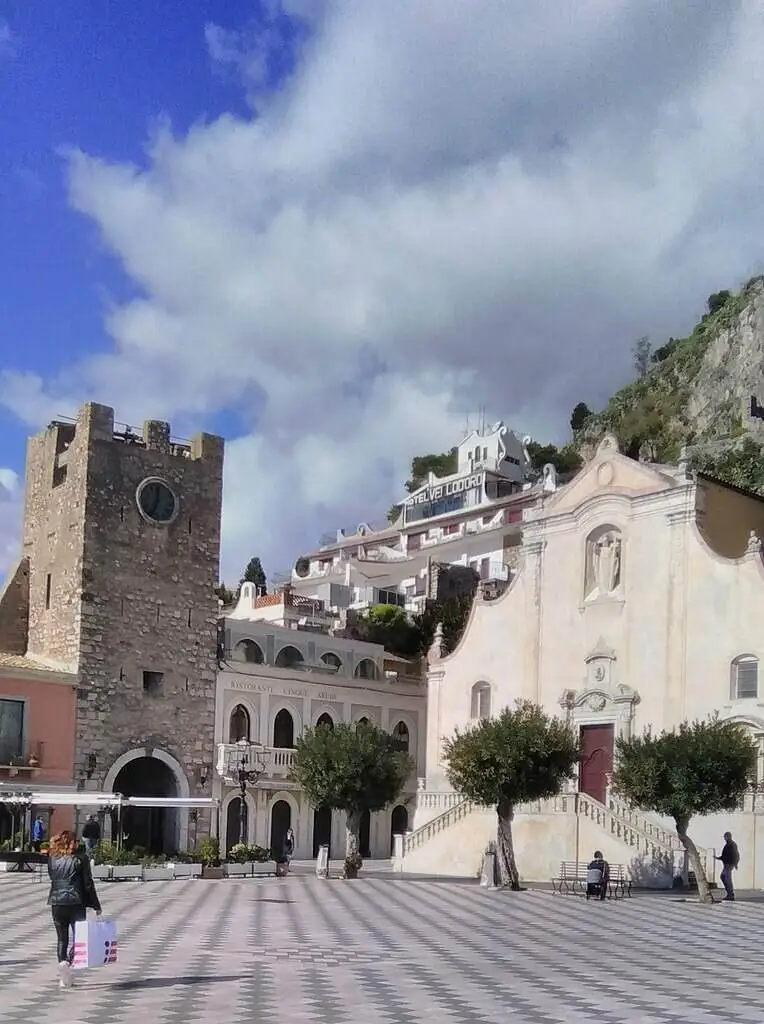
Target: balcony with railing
[[277, 761]]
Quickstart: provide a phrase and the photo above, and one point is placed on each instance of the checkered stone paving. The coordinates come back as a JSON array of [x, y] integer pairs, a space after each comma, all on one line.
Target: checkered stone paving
[[386, 950]]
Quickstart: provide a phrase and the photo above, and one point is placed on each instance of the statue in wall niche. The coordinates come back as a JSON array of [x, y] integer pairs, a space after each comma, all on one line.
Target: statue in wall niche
[[603, 564]]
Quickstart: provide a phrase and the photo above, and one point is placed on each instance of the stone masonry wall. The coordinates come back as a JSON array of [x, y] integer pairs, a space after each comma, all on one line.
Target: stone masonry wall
[[125, 595], [149, 604], [14, 609]]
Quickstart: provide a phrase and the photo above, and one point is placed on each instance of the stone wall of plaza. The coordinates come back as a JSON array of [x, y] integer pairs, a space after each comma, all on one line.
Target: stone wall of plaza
[[638, 604], [122, 538], [274, 682], [38, 716]]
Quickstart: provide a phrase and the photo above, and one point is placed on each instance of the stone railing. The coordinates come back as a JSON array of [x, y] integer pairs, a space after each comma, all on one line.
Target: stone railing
[[646, 838], [278, 761], [458, 810]]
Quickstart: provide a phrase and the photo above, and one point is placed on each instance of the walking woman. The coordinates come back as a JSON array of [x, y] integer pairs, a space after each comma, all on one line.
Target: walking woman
[[72, 893]]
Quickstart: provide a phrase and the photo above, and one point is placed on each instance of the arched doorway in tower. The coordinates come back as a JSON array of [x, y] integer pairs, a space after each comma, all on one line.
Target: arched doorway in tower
[[233, 822], [364, 838], [399, 824], [154, 829], [322, 829], [281, 819]]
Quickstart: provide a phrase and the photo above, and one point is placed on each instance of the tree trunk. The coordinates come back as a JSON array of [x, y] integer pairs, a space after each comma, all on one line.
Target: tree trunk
[[353, 859], [704, 893], [505, 850]]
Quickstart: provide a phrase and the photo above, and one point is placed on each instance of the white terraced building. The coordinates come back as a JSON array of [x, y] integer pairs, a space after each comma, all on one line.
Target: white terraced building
[[471, 518], [278, 675], [638, 602]]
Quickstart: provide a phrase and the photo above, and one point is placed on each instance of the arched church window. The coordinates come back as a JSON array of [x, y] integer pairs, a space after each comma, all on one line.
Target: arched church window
[[249, 651], [332, 660], [745, 678], [481, 701], [239, 725]]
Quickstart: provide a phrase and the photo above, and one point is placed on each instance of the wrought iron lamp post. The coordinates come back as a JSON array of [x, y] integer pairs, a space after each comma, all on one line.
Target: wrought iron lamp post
[[247, 763]]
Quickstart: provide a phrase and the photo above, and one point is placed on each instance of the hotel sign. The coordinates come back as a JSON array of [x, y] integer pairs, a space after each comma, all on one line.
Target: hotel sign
[[446, 490]]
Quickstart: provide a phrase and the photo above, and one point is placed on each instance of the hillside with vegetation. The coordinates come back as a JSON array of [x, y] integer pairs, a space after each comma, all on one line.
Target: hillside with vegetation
[[694, 393]]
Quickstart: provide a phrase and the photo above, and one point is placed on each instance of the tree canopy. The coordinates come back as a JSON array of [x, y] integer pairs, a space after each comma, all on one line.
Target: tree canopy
[[254, 573], [522, 754], [351, 768], [579, 416], [703, 767]]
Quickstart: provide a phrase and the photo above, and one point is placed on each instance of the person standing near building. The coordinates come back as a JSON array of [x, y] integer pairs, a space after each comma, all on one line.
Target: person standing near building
[[72, 894], [289, 845], [91, 834], [38, 833], [730, 858]]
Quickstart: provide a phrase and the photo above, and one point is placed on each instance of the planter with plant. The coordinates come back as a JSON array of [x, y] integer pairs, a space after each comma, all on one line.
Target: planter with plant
[[208, 852]]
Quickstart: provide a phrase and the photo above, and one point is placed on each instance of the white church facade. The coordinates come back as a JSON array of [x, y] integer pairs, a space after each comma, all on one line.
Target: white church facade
[[638, 602]]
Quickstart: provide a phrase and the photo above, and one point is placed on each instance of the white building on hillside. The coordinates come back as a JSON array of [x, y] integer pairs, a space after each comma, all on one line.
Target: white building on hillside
[[638, 603], [276, 679], [471, 518]]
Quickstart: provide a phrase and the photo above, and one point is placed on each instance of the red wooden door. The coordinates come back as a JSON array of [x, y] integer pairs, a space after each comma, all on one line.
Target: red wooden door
[[596, 762]]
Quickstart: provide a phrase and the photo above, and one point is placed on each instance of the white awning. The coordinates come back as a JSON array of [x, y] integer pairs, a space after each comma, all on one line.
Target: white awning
[[83, 798]]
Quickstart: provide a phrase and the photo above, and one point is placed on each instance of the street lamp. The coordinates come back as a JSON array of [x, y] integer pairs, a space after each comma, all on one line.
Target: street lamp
[[245, 763]]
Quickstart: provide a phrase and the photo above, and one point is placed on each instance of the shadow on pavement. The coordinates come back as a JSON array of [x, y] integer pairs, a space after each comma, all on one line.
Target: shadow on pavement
[[190, 979]]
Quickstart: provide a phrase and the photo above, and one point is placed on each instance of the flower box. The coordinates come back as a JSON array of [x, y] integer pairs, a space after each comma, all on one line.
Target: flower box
[[231, 870], [122, 872], [101, 871], [263, 868], [187, 870], [160, 873], [208, 871]]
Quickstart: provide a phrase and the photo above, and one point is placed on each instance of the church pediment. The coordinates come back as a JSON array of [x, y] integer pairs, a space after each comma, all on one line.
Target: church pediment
[[609, 472]]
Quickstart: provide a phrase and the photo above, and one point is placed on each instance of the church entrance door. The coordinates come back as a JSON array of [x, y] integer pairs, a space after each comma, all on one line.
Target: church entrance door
[[596, 763]]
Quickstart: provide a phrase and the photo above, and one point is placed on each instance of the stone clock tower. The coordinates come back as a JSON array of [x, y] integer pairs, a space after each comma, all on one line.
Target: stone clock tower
[[122, 537]]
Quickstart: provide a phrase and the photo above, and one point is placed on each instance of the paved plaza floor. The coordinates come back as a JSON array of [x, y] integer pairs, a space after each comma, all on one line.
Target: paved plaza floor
[[386, 950]]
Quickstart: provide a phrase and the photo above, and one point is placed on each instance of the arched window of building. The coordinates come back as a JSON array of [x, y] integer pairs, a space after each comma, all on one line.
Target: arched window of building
[[401, 734], [283, 729], [325, 720], [363, 721], [239, 725], [481, 701], [366, 669], [332, 660], [249, 651], [289, 657], [744, 683]]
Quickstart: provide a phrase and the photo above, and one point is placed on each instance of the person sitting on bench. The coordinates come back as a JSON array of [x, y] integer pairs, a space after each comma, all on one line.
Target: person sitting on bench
[[597, 877]]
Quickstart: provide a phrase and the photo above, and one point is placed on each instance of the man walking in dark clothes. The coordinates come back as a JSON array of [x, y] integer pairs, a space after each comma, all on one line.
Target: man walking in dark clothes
[[730, 858]]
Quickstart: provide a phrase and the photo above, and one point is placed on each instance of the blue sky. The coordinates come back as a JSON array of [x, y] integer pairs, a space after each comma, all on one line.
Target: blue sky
[[365, 222]]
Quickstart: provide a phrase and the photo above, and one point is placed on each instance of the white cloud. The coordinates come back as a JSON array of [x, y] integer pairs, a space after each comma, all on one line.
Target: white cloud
[[10, 516], [436, 213]]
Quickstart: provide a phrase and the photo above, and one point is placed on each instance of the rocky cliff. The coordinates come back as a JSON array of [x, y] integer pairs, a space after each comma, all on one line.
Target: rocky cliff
[[695, 393]]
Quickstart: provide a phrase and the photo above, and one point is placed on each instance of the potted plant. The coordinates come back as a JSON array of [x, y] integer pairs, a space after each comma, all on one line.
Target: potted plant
[[238, 861], [209, 855], [156, 869], [127, 864], [262, 862], [186, 865]]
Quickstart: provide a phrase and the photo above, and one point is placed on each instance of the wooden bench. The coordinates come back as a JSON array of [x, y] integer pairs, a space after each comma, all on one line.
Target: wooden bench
[[571, 880], [23, 860]]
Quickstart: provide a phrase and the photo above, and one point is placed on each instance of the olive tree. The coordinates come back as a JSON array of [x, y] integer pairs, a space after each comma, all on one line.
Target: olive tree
[[703, 767], [351, 768], [521, 755]]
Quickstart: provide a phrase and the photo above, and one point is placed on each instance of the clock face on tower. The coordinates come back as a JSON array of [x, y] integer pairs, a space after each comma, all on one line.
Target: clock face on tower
[[156, 501]]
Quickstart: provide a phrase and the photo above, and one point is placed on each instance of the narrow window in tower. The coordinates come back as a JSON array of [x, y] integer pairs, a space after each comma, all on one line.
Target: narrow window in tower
[[47, 592], [122, 606], [189, 526], [189, 616], [158, 607], [122, 513], [186, 684], [121, 674], [152, 682]]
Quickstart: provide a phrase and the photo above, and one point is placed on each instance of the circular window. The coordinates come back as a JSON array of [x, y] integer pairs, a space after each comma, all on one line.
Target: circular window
[[156, 501]]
